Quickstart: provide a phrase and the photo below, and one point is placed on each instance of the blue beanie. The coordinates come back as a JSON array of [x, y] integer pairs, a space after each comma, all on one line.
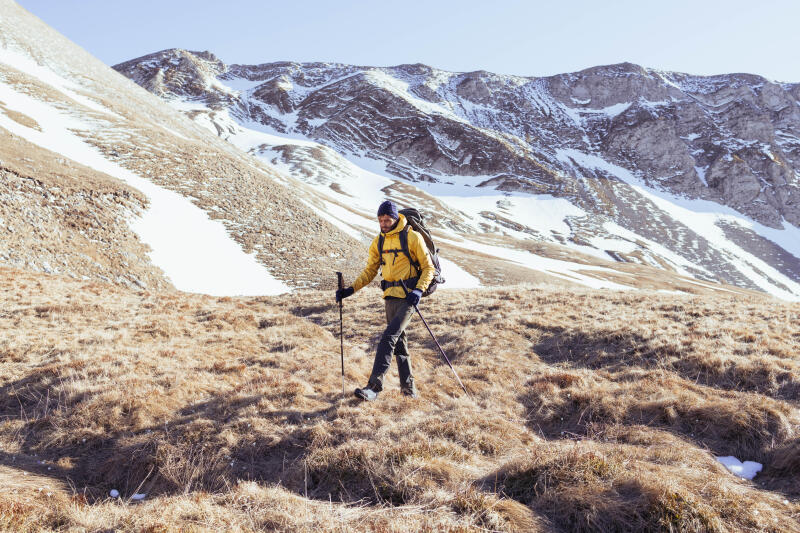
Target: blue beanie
[[388, 208]]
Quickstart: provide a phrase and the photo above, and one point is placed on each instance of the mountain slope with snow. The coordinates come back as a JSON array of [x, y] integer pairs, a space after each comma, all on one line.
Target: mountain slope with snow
[[693, 174], [101, 180]]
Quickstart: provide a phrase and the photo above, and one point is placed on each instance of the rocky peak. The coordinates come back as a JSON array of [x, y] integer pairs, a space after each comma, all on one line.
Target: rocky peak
[[175, 72]]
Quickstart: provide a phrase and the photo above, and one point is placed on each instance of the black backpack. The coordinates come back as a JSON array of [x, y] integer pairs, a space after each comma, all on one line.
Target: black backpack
[[414, 219]]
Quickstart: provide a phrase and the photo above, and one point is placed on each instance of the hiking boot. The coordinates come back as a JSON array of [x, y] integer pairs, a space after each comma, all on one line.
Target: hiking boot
[[366, 394], [411, 392]]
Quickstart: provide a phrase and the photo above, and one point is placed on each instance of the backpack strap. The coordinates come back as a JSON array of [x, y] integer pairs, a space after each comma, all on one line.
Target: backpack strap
[[380, 248], [404, 246]]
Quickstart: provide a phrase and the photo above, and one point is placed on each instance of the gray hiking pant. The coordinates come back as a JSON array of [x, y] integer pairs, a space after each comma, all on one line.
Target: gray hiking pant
[[393, 341]]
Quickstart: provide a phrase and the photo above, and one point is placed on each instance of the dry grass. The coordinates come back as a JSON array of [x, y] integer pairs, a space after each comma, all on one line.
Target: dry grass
[[588, 411]]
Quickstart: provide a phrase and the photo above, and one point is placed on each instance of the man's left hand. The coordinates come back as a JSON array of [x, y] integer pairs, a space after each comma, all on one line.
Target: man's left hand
[[413, 297]]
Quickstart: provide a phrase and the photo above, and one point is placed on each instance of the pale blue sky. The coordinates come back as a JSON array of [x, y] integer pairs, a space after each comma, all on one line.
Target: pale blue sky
[[529, 38]]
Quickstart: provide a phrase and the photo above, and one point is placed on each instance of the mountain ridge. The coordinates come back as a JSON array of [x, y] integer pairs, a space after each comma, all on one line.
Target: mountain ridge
[[420, 66], [594, 137]]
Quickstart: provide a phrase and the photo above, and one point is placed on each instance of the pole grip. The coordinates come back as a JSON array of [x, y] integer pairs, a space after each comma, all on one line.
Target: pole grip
[[340, 279], [405, 289]]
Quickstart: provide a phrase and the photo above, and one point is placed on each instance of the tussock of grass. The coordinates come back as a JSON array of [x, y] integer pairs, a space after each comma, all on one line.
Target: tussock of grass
[[228, 413], [589, 486], [728, 423], [634, 479]]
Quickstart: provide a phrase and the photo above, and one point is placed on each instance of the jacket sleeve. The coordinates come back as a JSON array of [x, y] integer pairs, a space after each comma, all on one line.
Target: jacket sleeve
[[371, 270], [416, 245]]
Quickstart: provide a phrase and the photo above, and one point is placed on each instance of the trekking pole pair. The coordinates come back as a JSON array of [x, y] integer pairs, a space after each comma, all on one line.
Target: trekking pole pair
[[405, 289]]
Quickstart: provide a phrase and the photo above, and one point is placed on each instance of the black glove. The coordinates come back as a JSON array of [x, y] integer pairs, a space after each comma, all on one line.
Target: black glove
[[413, 297], [341, 294]]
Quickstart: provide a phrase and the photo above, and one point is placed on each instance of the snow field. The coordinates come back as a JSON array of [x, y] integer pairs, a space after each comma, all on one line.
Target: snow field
[[456, 277]]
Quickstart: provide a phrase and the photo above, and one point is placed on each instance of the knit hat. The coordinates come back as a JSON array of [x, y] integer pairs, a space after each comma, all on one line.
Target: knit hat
[[388, 208]]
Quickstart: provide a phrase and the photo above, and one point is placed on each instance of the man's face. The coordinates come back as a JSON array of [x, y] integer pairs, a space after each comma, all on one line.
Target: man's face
[[386, 222]]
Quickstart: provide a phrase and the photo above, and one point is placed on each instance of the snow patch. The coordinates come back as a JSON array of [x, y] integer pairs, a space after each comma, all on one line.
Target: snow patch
[[565, 270], [701, 173], [610, 111], [543, 213], [28, 66], [316, 122], [745, 470]]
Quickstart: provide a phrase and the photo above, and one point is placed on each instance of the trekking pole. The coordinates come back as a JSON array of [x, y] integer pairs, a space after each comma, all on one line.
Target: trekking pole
[[341, 328], [405, 289]]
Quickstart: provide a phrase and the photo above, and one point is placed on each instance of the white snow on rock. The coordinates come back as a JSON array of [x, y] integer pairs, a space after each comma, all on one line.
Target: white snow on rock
[[746, 470], [195, 252], [566, 270], [138, 496], [360, 227], [702, 217]]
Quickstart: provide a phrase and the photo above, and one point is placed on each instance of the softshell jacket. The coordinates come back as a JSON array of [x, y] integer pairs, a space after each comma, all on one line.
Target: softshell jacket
[[396, 265]]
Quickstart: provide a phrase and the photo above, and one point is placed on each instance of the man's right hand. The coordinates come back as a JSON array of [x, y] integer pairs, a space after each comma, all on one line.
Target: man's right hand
[[341, 294]]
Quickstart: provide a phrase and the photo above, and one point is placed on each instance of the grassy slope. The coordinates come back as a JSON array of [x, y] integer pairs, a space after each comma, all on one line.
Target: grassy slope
[[589, 410]]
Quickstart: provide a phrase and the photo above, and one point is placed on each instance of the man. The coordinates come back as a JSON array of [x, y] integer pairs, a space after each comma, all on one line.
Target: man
[[395, 266]]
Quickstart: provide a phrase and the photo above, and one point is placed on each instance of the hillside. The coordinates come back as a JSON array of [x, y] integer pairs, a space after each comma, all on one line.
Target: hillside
[[101, 180], [588, 410], [696, 175]]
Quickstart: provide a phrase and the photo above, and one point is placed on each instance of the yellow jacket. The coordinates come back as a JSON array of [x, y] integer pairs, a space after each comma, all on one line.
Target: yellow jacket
[[396, 265]]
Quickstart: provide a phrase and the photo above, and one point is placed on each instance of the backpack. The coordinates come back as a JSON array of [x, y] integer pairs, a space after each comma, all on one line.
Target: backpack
[[414, 219]]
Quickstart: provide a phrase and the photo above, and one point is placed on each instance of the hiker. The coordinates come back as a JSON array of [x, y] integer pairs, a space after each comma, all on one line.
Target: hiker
[[395, 266]]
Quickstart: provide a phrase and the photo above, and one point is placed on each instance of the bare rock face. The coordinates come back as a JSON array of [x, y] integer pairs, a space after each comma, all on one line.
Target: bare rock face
[[730, 139], [175, 72]]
